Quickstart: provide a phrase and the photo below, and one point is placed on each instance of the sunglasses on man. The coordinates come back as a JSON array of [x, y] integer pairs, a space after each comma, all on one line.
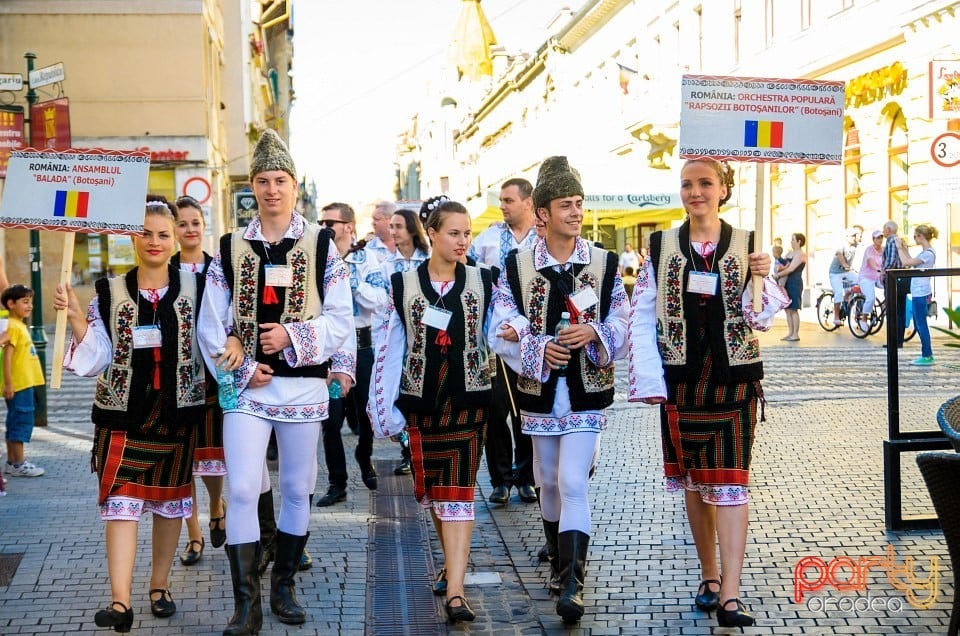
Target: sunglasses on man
[[330, 223]]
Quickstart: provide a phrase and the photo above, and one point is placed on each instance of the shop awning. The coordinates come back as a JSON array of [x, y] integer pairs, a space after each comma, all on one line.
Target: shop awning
[[619, 210]]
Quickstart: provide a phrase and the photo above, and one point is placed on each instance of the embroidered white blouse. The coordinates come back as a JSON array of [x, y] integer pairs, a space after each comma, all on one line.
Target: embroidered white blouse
[[329, 336], [368, 286], [645, 375], [92, 355], [526, 357], [491, 246]]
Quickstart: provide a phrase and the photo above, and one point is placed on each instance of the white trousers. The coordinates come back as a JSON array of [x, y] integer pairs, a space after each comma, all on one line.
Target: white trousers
[[561, 466], [245, 439]]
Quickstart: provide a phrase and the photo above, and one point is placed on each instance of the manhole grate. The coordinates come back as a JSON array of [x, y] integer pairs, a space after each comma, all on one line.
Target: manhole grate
[[399, 563], [8, 567]]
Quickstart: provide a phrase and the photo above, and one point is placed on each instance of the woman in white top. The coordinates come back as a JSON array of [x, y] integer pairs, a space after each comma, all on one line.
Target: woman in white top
[[920, 288]]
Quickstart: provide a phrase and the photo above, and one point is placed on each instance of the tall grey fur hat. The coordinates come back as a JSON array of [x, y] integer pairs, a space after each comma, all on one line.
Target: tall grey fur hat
[[556, 179], [271, 154]]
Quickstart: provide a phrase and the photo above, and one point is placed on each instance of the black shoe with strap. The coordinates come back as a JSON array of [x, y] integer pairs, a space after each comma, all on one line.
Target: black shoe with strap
[[706, 599], [459, 612], [162, 607], [191, 555], [736, 617], [119, 619], [218, 527]]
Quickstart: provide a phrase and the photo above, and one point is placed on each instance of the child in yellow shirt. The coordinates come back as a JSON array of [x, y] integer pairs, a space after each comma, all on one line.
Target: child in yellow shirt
[[21, 372]]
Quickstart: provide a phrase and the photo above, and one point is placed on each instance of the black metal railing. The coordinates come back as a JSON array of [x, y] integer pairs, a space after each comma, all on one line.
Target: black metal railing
[[898, 441]]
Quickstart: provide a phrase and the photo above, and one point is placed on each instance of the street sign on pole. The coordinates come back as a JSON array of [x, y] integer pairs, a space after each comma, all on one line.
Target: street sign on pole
[[11, 134], [47, 75], [11, 81]]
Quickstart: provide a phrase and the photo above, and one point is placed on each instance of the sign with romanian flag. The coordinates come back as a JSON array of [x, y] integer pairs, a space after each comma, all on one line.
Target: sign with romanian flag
[[759, 119], [94, 191]]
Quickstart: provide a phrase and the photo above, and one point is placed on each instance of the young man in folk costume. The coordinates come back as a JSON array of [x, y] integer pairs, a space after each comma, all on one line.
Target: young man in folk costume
[[565, 381], [491, 247], [278, 301]]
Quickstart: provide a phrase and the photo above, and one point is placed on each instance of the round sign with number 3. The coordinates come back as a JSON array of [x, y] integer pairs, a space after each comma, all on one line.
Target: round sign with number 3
[[945, 149]]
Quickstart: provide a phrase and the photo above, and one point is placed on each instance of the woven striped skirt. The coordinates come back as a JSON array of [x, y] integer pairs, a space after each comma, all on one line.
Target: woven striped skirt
[[445, 450]]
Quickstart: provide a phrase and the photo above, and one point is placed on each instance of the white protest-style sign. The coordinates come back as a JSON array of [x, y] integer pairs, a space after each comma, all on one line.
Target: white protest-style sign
[[91, 191], [768, 120], [96, 191]]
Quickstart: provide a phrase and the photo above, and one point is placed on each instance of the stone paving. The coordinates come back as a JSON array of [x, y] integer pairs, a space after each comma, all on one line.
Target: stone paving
[[817, 491]]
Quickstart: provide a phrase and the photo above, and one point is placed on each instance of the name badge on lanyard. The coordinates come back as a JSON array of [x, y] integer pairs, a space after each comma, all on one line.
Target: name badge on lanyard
[[278, 276], [705, 283], [146, 337], [584, 299], [437, 317]]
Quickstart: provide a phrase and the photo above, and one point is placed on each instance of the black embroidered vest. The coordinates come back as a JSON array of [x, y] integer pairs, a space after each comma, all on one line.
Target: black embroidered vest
[[244, 265], [539, 298], [468, 381], [680, 316], [123, 389]]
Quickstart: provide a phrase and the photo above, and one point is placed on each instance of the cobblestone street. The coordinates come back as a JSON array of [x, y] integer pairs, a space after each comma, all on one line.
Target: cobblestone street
[[817, 491]]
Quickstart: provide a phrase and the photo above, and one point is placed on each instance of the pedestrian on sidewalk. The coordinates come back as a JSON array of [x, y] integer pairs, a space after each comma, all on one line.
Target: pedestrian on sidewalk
[[208, 461], [21, 373], [509, 451], [871, 270], [842, 273], [138, 336], [896, 297], [277, 302], [432, 380], [369, 302], [693, 352], [565, 376], [790, 277], [921, 291]]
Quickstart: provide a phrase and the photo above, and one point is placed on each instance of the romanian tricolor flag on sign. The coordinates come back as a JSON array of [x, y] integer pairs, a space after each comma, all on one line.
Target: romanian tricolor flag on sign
[[71, 203], [763, 134]]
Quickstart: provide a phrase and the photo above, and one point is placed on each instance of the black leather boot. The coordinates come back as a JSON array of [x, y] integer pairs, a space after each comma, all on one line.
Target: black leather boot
[[572, 546], [551, 529], [248, 613], [283, 594], [268, 530]]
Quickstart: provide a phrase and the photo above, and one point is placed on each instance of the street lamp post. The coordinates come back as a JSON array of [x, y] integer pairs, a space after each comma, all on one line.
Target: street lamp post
[[36, 282]]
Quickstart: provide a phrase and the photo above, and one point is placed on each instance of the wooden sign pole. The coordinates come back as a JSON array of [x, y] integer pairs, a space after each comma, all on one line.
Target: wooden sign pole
[[60, 335]]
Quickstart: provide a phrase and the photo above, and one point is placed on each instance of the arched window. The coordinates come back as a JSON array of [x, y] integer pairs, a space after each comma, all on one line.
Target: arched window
[[851, 171], [898, 165]]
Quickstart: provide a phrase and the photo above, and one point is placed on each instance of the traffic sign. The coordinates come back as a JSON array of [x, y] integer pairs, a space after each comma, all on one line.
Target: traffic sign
[[11, 81], [945, 149], [47, 75]]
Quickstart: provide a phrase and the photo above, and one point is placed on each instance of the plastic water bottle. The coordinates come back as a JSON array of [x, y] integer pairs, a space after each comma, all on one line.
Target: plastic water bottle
[[335, 390], [563, 324], [403, 437], [226, 387]]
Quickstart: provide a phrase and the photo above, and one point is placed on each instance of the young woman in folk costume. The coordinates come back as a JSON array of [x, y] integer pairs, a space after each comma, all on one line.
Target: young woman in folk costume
[[138, 335], [693, 352], [208, 462], [432, 378]]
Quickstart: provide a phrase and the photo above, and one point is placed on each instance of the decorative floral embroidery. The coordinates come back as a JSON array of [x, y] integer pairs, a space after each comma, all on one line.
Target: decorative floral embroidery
[[411, 380], [118, 508], [454, 510], [343, 362], [476, 363], [246, 284], [418, 309], [537, 304], [530, 379], [291, 413], [215, 273], [304, 345], [335, 270], [210, 467], [113, 385], [578, 421], [297, 292]]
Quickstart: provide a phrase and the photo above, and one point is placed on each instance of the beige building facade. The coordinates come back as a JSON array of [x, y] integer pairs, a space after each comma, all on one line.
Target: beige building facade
[[605, 91], [181, 79]]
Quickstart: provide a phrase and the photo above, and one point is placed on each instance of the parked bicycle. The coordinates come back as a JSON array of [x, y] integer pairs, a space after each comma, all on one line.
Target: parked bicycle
[[862, 325], [851, 311]]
